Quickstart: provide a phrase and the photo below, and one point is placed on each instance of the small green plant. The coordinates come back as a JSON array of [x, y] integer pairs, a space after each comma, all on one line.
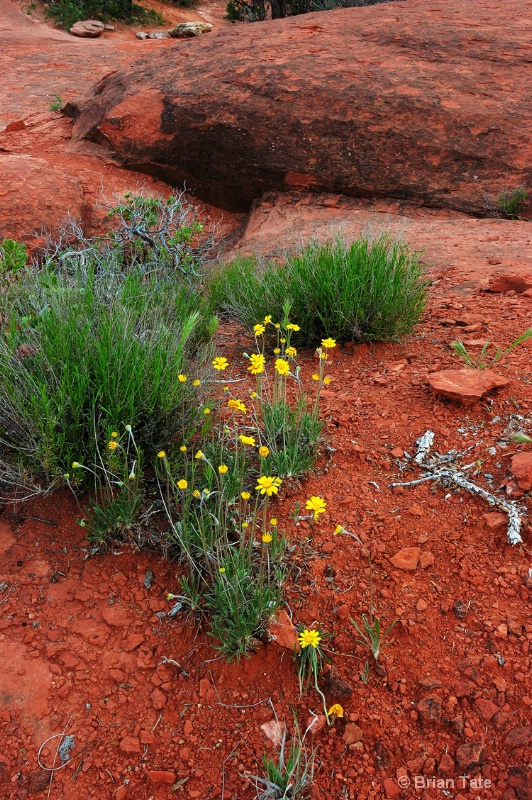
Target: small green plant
[[13, 257], [364, 673], [56, 103], [370, 290], [290, 775], [483, 360], [511, 204]]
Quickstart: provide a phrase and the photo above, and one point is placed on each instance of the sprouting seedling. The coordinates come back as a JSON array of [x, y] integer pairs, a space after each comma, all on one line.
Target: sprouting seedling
[[482, 361]]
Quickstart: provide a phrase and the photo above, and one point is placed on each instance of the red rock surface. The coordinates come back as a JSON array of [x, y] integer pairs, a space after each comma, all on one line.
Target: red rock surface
[[414, 100], [522, 470], [465, 385]]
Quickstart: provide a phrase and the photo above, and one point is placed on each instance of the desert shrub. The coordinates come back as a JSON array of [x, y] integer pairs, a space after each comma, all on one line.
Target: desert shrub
[[511, 204], [258, 10], [88, 350], [370, 290], [67, 12]]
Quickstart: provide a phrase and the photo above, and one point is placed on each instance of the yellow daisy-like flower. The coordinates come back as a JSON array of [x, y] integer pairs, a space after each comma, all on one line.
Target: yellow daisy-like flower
[[112, 445], [199, 454], [114, 435], [291, 352], [317, 505], [253, 395], [276, 350], [273, 522], [277, 326], [336, 711], [283, 341], [268, 485], [258, 329], [183, 448], [236, 405], [267, 319], [182, 378], [338, 529], [326, 381], [292, 327], [267, 538], [245, 495], [220, 363], [161, 454], [249, 440], [309, 638], [256, 363], [282, 366], [206, 411], [182, 484], [264, 451], [226, 388], [245, 526], [196, 493], [315, 377], [223, 468], [206, 492], [196, 382], [221, 570], [328, 343], [76, 465]]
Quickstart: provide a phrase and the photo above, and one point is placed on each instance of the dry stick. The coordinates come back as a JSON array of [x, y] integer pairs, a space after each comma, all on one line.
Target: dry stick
[[454, 476]]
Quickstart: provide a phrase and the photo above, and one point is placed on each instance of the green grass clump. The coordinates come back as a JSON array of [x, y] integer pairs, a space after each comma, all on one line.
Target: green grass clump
[[87, 352], [370, 290]]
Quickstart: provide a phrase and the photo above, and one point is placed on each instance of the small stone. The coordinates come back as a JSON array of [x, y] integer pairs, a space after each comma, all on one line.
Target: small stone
[[13, 127], [161, 776], [428, 683], [130, 744], [158, 699], [328, 547], [501, 631], [87, 29], [352, 733], [426, 559], [121, 793], [39, 781], [283, 632], [486, 709], [337, 687], [132, 642], [272, 730], [158, 35], [116, 615], [446, 766], [457, 724], [460, 609], [518, 737], [522, 470], [343, 612], [470, 757], [397, 452], [421, 605], [429, 709], [147, 737], [406, 559], [465, 386], [520, 779], [510, 281], [141, 35], [186, 30], [382, 756], [495, 521], [501, 720], [391, 788], [316, 724]]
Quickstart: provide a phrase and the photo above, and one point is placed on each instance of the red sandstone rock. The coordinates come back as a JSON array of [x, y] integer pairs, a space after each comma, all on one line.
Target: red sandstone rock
[[130, 744], [522, 470], [116, 615], [399, 127], [283, 631], [161, 776], [87, 29], [465, 386], [407, 558], [34, 194], [511, 281]]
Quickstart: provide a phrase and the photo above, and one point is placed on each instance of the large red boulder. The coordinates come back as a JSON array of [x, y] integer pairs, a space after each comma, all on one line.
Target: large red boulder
[[415, 100]]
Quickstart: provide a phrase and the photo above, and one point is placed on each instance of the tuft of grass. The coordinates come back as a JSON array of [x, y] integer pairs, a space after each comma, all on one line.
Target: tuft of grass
[[484, 360], [291, 774], [511, 204], [370, 290], [56, 103]]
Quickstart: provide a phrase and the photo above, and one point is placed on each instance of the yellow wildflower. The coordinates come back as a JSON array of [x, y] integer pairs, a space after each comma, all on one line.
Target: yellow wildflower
[[220, 363], [267, 319], [253, 395], [221, 570], [326, 381], [283, 341], [112, 445], [317, 505], [264, 451], [161, 454], [282, 366], [76, 465], [267, 538], [273, 522], [292, 327], [328, 343], [249, 440], [291, 352], [114, 435], [183, 448], [223, 468], [199, 454], [315, 377], [307, 638], [196, 382], [245, 495], [257, 362], [259, 329], [182, 484], [268, 485], [277, 325], [207, 411], [338, 529], [236, 405], [196, 493], [276, 350], [245, 526], [336, 711], [182, 378]]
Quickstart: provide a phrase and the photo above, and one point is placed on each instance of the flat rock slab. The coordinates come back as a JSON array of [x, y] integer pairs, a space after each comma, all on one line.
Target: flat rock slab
[[87, 29], [412, 100], [465, 386], [407, 559]]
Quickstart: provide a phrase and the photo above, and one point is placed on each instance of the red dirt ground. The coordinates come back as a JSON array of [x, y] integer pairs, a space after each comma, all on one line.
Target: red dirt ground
[[83, 643]]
